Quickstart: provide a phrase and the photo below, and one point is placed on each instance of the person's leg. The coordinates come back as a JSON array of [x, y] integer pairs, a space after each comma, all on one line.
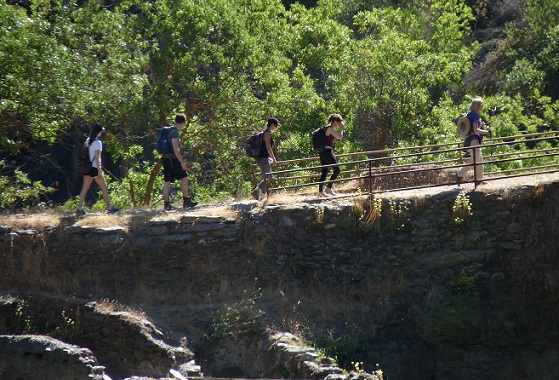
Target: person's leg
[[167, 179], [85, 188], [102, 182], [478, 160], [463, 171], [264, 165], [184, 187], [186, 201], [337, 170], [327, 158], [324, 171], [179, 174], [165, 191]]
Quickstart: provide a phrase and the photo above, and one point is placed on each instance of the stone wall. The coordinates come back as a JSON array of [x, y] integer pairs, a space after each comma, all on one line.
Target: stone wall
[[430, 292]]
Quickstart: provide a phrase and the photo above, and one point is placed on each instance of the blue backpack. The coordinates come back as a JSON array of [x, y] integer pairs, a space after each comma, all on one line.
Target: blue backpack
[[164, 145]]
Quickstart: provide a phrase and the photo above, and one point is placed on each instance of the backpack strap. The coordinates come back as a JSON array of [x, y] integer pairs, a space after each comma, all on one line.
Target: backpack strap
[[468, 115]]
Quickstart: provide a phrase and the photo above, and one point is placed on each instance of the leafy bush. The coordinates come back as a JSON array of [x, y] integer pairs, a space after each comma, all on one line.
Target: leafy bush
[[17, 190]]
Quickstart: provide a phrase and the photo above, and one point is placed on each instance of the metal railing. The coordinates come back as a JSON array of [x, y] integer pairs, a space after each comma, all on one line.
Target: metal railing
[[424, 166]]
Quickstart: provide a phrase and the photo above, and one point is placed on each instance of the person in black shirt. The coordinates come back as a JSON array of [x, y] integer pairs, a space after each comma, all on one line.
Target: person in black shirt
[[266, 157]]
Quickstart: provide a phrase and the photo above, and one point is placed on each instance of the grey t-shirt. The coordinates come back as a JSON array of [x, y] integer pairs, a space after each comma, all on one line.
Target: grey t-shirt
[[173, 134]]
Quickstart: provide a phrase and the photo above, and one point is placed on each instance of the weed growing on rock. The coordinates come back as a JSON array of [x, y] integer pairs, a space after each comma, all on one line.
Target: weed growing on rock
[[234, 320], [347, 350], [318, 222], [397, 215], [23, 318], [70, 324], [378, 372], [537, 195], [454, 313], [364, 217], [461, 210], [283, 371], [358, 367]]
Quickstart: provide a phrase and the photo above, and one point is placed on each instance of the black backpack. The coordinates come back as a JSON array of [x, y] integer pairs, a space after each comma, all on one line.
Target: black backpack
[[319, 139], [254, 144], [83, 165], [163, 144]]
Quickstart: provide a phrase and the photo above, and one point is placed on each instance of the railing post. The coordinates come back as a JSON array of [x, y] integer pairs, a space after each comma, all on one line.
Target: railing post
[[370, 177], [254, 182], [474, 161], [268, 182], [358, 170]]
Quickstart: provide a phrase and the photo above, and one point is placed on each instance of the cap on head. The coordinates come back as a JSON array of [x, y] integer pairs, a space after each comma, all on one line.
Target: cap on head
[[273, 120]]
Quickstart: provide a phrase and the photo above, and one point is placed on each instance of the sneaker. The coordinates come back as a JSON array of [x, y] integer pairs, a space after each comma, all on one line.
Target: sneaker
[[187, 203], [256, 193], [168, 207], [80, 212], [113, 209], [329, 191], [321, 194]]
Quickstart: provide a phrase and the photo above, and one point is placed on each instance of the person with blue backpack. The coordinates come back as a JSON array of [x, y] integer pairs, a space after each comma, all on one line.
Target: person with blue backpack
[[174, 166], [474, 140], [327, 156]]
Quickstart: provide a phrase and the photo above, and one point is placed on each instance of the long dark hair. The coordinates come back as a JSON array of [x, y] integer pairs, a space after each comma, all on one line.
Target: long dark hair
[[95, 129], [334, 117]]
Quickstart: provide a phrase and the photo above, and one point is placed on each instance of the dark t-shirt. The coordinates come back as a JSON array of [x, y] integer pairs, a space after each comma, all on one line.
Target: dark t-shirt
[[330, 138], [173, 134], [263, 150]]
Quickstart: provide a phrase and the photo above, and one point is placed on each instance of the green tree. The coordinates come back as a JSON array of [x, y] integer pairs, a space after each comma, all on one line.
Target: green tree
[[401, 58], [62, 65]]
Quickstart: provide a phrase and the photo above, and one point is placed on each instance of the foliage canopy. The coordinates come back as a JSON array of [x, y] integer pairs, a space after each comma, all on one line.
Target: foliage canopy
[[399, 72]]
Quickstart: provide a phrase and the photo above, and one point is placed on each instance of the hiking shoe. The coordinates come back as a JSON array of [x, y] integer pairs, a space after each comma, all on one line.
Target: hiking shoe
[[321, 194], [168, 207], [113, 209], [80, 212], [256, 193], [187, 203], [329, 191]]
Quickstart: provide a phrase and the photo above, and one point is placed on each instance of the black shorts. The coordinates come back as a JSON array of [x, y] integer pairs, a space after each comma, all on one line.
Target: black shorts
[[94, 172], [172, 170], [327, 157]]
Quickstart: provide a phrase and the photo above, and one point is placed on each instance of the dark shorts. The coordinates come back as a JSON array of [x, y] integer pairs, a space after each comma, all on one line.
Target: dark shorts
[[327, 157], [172, 170], [94, 172]]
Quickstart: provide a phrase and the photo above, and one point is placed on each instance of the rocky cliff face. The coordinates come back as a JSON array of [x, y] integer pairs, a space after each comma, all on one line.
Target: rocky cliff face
[[448, 286]]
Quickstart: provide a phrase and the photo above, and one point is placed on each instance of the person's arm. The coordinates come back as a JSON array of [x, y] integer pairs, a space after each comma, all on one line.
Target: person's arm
[[97, 158], [268, 141], [478, 128], [177, 151], [331, 131]]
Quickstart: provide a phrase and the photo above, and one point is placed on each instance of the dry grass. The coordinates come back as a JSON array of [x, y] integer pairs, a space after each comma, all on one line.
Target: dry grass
[[104, 221], [310, 193], [125, 220], [113, 306], [39, 221]]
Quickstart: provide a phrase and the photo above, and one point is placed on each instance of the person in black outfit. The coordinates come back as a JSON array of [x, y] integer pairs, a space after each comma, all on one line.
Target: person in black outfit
[[174, 167], [327, 156], [266, 157]]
